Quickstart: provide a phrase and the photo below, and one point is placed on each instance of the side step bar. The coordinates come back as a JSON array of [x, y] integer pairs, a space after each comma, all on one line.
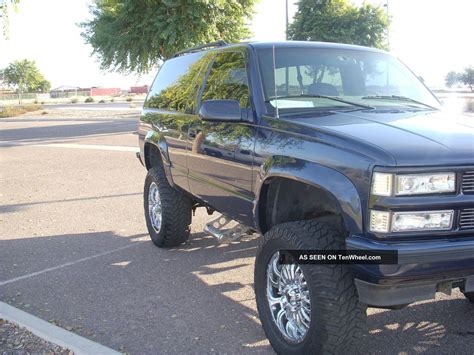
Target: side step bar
[[216, 229]]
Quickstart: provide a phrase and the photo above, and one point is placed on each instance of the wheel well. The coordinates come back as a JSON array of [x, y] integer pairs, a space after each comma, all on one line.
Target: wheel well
[[152, 156], [286, 200]]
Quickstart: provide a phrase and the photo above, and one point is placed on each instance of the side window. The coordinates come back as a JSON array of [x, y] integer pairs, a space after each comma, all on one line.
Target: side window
[[227, 79], [175, 85]]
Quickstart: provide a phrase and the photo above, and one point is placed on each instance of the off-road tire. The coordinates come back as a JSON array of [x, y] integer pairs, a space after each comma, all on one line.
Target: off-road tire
[[176, 211], [469, 296], [338, 319]]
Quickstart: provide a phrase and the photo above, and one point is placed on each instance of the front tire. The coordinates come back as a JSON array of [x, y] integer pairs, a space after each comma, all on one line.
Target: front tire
[[310, 308], [167, 210]]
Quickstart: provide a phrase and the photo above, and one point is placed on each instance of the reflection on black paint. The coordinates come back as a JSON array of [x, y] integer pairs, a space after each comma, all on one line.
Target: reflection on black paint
[[221, 153]]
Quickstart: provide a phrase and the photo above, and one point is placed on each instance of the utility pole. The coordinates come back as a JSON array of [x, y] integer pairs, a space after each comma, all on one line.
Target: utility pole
[[388, 29], [286, 8]]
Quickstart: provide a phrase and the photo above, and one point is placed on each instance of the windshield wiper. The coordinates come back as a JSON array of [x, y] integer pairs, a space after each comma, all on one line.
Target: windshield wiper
[[333, 98], [397, 98]]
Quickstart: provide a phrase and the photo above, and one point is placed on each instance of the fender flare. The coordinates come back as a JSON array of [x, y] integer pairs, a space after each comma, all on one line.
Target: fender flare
[[156, 139], [334, 183]]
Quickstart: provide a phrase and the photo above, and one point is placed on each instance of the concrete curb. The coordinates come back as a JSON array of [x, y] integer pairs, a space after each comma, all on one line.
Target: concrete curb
[[47, 331]]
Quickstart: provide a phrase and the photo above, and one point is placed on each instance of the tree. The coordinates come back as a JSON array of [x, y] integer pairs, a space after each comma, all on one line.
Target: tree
[[24, 76], [452, 78], [340, 21], [467, 77], [4, 6], [134, 36]]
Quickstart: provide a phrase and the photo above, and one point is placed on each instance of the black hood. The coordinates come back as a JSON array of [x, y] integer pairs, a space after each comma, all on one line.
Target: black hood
[[411, 138]]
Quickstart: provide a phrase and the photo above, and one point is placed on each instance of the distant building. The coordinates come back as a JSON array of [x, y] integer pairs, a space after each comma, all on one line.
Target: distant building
[[139, 89], [105, 91], [71, 91], [65, 91]]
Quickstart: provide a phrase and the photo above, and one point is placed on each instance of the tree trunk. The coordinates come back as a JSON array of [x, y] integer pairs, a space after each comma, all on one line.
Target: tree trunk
[[197, 142]]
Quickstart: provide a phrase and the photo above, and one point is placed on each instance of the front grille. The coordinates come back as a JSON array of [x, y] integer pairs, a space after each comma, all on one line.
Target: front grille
[[468, 182], [466, 220]]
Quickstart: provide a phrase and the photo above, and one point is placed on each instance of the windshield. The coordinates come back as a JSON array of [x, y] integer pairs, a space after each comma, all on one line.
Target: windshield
[[305, 78]]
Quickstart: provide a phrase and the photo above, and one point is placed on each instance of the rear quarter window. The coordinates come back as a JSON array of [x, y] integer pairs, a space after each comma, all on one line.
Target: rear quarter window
[[175, 85]]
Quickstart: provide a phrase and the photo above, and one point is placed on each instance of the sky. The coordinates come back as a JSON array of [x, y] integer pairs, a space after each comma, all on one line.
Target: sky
[[431, 36]]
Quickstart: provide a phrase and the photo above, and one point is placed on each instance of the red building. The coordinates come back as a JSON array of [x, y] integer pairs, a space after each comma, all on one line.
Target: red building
[[139, 89], [105, 91]]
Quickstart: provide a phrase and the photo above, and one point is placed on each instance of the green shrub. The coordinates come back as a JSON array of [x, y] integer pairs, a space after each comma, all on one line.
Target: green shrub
[[102, 102], [89, 99], [129, 99], [112, 99], [74, 100], [42, 102], [35, 102]]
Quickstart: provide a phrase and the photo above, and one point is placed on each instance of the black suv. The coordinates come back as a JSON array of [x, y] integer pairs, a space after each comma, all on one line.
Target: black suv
[[316, 146]]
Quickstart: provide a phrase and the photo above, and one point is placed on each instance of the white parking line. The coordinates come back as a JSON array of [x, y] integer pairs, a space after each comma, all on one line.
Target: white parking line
[[27, 276], [49, 332]]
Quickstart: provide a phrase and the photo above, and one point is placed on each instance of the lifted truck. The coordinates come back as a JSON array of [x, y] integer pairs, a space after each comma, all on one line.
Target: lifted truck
[[315, 146]]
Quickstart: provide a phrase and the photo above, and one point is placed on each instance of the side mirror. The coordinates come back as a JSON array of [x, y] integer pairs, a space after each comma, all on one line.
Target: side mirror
[[220, 110]]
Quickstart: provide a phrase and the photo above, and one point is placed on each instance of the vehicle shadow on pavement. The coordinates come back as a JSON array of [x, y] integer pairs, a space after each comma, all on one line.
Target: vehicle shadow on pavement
[[194, 299], [127, 294], [442, 326]]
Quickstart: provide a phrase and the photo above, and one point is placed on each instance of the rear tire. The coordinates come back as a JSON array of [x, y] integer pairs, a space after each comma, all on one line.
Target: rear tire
[[337, 318], [167, 210]]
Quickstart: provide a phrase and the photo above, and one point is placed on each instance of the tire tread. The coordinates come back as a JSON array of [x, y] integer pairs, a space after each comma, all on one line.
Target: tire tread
[[344, 317], [177, 208]]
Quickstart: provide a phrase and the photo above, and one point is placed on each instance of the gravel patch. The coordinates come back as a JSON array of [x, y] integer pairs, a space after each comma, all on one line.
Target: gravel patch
[[15, 340]]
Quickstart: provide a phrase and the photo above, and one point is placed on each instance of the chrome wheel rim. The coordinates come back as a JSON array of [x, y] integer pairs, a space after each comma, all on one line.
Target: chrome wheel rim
[[154, 207], [289, 299]]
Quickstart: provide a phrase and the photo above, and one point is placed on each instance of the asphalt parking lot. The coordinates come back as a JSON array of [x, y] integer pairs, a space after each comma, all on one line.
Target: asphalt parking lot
[[74, 250]]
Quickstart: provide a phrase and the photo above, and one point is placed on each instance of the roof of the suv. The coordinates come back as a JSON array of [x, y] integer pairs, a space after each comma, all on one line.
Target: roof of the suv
[[282, 44], [309, 44]]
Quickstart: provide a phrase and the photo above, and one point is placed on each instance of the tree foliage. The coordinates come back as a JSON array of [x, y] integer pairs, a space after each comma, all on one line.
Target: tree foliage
[[452, 78], [340, 21], [133, 36], [466, 77], [4, 7], [24, 76]]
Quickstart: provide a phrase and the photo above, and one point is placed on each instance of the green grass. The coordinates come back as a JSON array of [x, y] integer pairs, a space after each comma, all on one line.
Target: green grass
[[12, 111]]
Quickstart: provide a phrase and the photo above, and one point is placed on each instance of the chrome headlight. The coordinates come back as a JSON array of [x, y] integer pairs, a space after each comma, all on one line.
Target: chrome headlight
[[384, 184], [424, 184], [385, 222]]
